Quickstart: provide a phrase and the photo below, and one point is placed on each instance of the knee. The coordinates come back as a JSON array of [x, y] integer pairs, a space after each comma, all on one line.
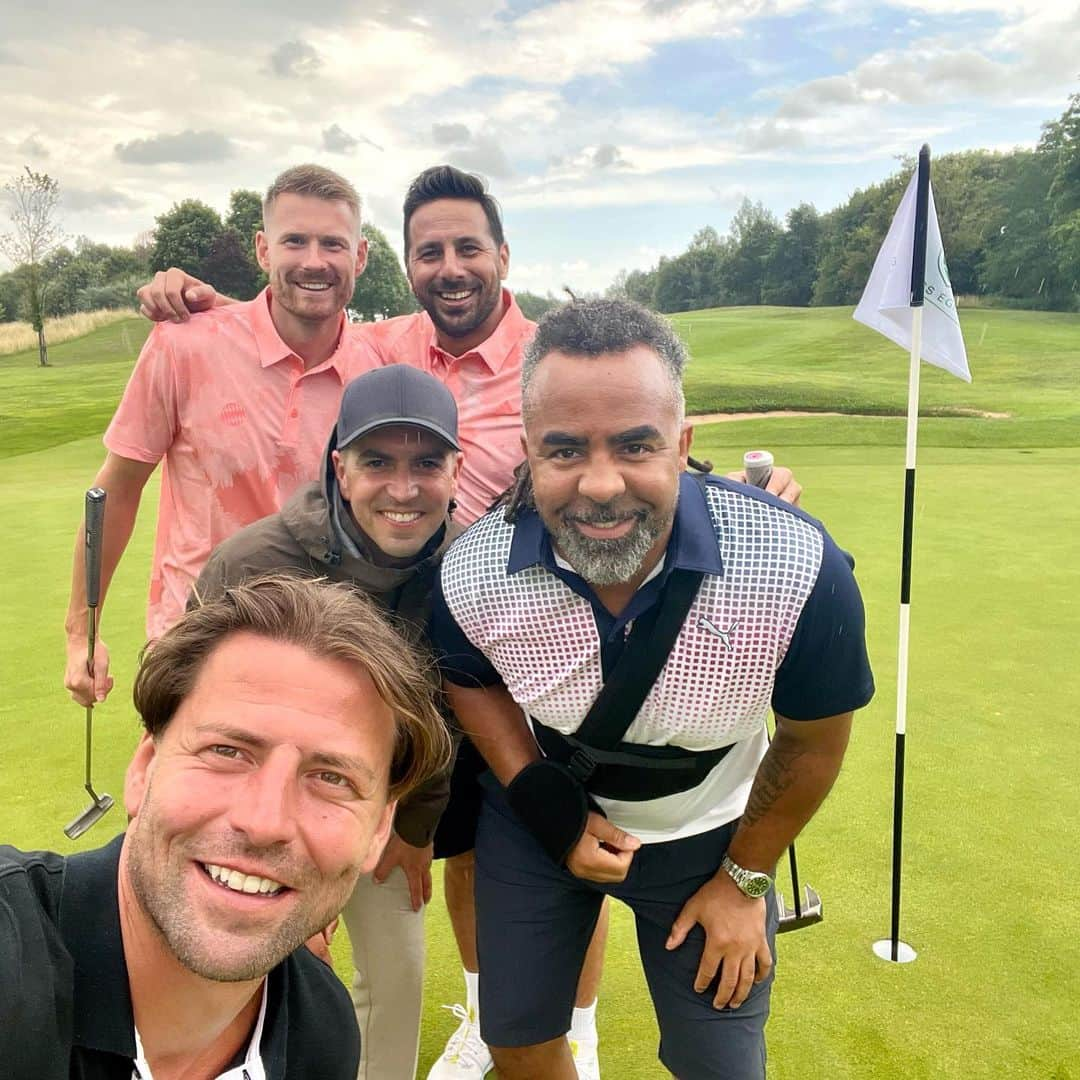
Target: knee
[[544, 1061]]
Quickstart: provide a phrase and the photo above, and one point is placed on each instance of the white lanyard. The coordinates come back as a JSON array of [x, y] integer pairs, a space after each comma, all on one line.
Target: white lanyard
[[251, 1069]]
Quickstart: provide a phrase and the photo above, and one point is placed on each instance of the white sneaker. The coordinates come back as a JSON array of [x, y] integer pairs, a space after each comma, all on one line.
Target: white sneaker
[[466, 1056], [586, 1061]]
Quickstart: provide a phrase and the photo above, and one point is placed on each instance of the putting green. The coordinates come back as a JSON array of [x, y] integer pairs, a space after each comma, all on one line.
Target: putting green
[[989, 892]]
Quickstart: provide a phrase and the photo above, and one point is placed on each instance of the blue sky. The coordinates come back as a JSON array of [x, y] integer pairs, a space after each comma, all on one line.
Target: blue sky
[[611, 130]]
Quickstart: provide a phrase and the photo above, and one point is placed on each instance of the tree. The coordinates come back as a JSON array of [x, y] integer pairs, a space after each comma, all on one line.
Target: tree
[[229, 267], [754, 231], [533, 306], [382, 290], [185, 236], [35, 235], [246, 217], [791, 263], [245, 214]]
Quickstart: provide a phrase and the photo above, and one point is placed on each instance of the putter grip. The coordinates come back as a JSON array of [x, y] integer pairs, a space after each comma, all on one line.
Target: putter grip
[[95, 520], [757, 464]]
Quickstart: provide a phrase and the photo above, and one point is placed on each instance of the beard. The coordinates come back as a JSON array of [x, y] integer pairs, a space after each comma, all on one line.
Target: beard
[[609, 562], [224, 952]]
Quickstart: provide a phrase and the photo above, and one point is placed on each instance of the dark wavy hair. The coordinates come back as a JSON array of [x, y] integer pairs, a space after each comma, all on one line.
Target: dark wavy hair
[[446, 182]]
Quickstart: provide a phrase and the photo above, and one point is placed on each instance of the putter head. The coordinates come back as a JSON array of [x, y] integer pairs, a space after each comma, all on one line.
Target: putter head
[[101, 805], [809, 914]]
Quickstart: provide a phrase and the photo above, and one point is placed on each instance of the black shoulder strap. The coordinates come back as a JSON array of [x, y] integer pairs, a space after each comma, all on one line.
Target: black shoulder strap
[[641, 662]]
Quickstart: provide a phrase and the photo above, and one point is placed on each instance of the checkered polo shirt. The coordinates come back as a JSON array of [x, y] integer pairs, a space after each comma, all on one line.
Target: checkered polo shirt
[[780, 624]]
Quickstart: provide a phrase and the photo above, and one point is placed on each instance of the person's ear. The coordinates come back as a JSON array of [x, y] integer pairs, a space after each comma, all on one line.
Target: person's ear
[[136, 779]]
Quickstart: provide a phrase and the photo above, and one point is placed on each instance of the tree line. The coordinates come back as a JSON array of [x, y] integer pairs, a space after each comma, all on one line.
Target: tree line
[[55, 275], [1010, 225]]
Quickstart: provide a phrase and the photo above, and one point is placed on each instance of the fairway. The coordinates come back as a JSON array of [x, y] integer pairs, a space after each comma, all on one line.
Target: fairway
[[992, 802]]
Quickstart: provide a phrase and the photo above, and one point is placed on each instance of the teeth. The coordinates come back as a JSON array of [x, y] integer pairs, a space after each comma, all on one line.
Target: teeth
[[455, 295], [314, 286], [245, 883], [601, 524], [402, 518]]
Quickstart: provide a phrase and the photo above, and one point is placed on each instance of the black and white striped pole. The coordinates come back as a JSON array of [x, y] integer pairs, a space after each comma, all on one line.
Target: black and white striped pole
[[892, 948]]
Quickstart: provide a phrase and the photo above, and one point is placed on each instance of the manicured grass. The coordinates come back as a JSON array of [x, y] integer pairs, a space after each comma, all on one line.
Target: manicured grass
[[992, 803]]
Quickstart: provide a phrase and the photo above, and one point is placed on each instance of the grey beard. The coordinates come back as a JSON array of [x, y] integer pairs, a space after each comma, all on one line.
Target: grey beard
[[609, 562]]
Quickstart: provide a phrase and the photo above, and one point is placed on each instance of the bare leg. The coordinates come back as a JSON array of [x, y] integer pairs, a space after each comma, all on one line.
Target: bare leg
[[546, 1061], [459, 874], [593, 968]]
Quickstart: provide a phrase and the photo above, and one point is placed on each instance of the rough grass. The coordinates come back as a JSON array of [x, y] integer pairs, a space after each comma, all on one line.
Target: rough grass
[[992, 804], [19, 336]]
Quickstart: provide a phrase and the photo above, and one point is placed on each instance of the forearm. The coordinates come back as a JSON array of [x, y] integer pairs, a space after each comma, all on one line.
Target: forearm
[[792, 781], [497, 727], [121, 509]]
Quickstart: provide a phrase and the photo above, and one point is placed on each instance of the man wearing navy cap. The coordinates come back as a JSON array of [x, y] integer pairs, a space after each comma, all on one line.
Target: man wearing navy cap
[[379, 520]]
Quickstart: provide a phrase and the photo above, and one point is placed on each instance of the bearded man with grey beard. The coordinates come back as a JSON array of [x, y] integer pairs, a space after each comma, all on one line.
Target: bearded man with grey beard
[[613, 650]]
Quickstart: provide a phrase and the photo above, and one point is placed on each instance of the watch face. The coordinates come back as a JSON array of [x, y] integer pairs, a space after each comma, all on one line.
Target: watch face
[[757, 885]]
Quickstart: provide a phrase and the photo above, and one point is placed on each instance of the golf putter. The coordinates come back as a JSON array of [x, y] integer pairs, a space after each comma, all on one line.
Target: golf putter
[[758, 466], [95, 519]]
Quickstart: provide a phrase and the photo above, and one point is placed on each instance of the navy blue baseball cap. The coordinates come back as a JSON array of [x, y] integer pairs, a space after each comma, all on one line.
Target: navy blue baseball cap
[[396, 394]]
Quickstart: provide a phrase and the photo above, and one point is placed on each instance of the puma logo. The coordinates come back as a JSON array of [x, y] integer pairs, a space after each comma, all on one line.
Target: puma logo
[[723, 635]]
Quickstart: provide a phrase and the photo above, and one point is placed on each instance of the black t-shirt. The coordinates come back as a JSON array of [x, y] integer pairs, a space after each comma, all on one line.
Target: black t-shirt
[[65, 1008]]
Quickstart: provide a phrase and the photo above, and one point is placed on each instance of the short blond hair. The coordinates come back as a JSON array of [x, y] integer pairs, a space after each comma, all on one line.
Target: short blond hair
[[316, 181], [327, 619]]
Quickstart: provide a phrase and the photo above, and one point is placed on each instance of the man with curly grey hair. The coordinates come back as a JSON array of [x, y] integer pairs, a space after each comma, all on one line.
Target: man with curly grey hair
[[613, 645]]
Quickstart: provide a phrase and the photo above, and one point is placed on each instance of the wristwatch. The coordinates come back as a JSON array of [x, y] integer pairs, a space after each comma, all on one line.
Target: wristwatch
[[752, 882]]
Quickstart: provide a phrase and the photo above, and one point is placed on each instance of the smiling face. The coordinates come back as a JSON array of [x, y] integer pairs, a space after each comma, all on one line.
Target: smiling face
[[456, 271], [398, 481], [257, 807], [606, 444], [312, 252]]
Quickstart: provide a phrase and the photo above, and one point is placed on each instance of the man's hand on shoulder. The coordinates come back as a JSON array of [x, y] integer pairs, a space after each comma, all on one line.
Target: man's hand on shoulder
[[603, 853], [175, 296], [415, 863], [735, 942]]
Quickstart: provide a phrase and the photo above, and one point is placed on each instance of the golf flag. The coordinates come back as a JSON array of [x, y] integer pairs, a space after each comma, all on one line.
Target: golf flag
[[886, 304]]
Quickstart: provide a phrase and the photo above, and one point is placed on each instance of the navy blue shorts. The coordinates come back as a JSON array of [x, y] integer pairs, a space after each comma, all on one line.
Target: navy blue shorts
[[534, 923]]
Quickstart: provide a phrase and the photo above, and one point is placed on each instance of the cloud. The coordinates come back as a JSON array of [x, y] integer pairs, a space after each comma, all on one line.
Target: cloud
[[102, 198], [33, 147], [187, 148], [607, 155], [449, 134], [295, 60], [771, 136], [483, 155]]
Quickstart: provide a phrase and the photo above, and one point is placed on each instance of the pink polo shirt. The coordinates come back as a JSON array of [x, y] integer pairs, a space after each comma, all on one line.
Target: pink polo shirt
[[487, 386], [240, 425]]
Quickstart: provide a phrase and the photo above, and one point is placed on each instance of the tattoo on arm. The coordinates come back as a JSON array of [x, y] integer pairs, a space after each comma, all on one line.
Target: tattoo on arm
[[776, 773]]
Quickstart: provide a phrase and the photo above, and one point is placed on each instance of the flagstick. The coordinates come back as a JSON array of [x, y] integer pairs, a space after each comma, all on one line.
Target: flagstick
[[893, 948]]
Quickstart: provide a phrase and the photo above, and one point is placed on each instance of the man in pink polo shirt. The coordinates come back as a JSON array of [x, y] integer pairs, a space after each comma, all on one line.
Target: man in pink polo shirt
[[237, 403]]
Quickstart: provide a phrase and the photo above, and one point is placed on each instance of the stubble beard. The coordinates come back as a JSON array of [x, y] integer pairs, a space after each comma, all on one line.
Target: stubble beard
[[457, 328], [159, 888]]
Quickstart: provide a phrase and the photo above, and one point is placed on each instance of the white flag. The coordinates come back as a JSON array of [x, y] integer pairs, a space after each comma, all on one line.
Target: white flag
[[886, 301]]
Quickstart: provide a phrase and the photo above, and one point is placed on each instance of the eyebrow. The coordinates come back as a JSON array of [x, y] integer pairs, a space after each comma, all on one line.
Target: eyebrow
[[339, 762], [643, 433], [562, 438]]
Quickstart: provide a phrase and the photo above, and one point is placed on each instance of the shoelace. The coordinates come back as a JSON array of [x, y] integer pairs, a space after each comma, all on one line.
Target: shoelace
[[462, 1047]]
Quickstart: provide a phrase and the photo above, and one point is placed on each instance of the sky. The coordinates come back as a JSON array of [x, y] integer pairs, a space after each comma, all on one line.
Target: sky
[[609, 130]]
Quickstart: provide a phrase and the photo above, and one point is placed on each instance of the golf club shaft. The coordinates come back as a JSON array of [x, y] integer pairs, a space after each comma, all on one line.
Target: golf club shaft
[[94, 522]]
